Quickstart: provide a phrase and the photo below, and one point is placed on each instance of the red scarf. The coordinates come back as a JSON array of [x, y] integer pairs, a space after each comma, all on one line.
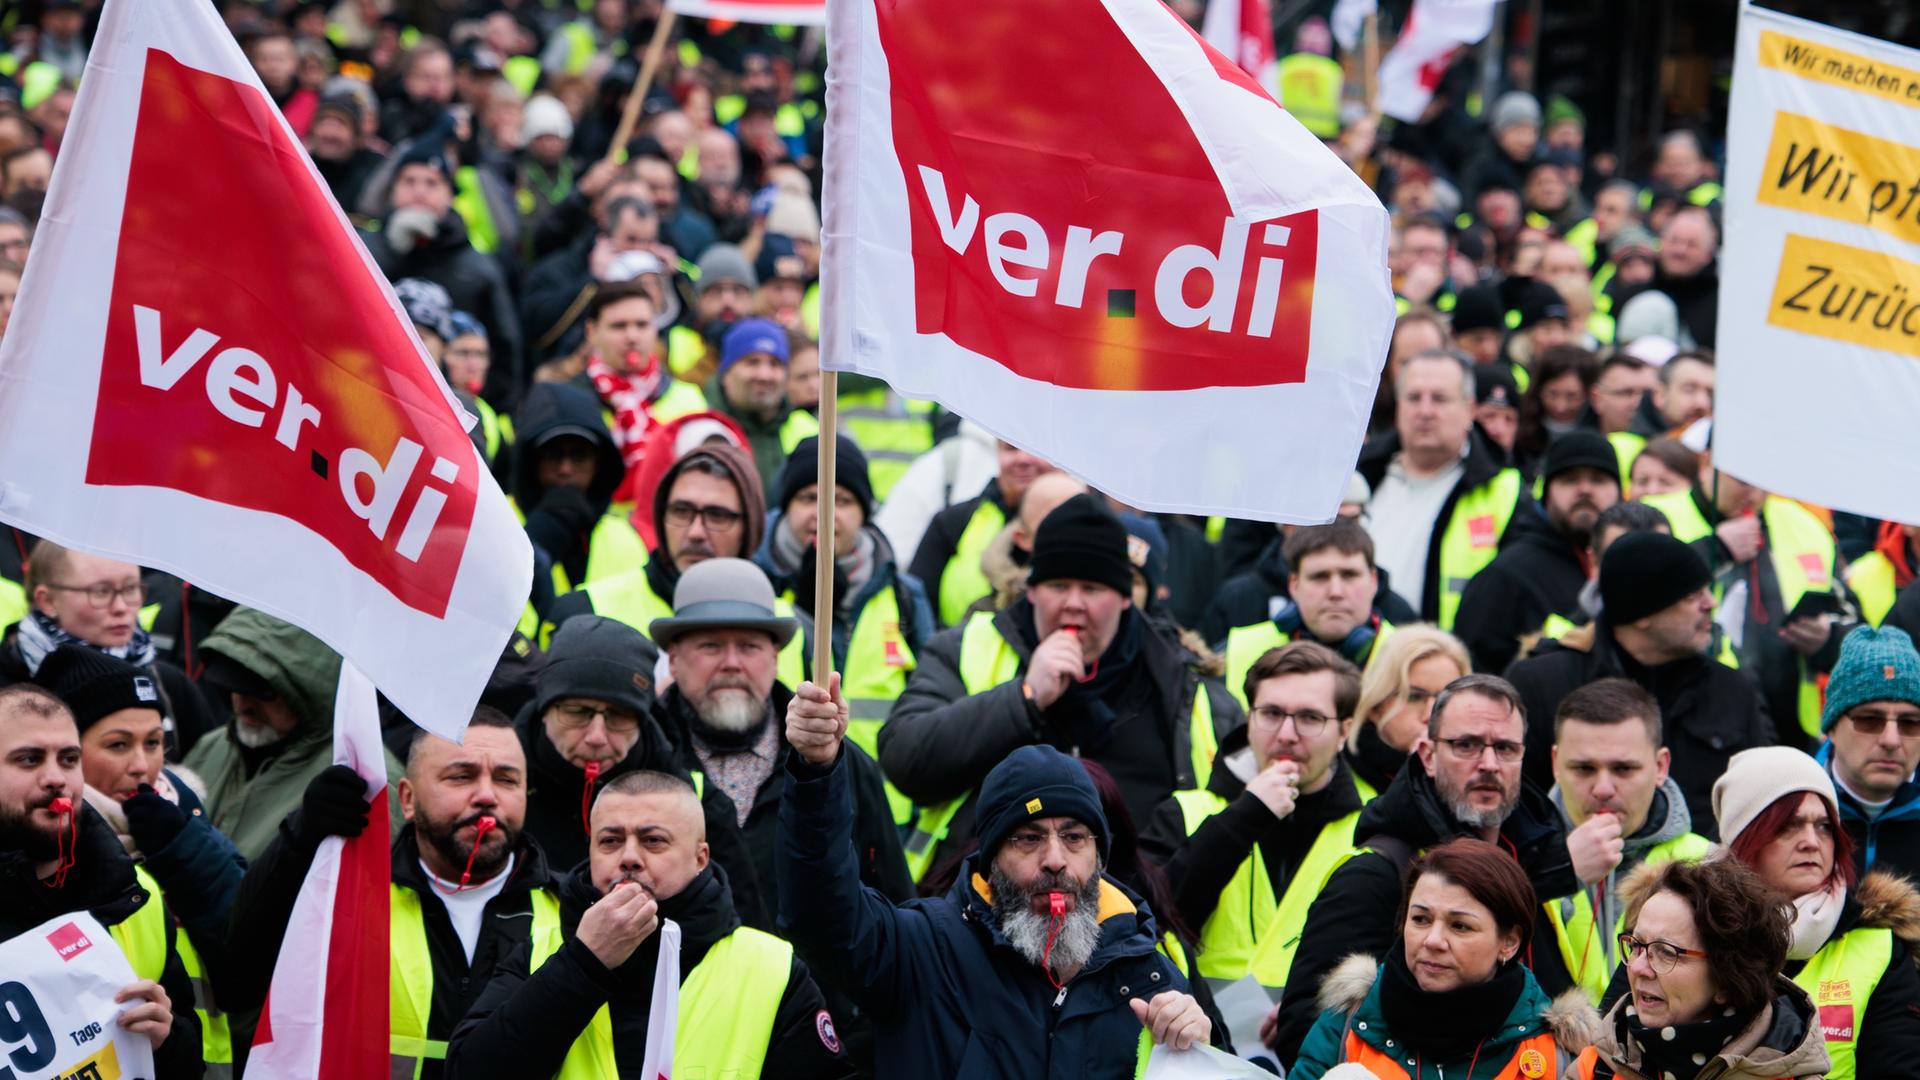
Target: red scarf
[[628, 394]]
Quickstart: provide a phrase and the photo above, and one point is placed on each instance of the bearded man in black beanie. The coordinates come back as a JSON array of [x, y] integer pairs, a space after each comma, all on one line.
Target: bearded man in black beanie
[[1072, 665], [1654, 628]]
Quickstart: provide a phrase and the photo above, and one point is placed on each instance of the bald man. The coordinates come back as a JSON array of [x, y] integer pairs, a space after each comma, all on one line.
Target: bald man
[[583, 1000]]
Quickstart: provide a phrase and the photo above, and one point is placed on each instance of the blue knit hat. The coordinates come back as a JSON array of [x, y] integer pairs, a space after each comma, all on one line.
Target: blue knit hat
[[749, 336], [1037, 782], [1875, 665]]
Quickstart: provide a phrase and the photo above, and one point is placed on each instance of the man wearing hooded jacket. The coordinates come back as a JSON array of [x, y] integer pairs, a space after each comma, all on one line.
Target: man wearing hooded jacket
[[565, 471]]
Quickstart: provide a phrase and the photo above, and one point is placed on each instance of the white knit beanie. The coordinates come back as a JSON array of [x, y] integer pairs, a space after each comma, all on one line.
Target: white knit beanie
[[1756, 778]]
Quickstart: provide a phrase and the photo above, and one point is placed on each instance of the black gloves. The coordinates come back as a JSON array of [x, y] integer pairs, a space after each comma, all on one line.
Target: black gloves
[[152, 820], [335, 804]]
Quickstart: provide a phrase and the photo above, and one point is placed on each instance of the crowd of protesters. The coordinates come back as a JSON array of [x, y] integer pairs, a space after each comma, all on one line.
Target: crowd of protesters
[[1559, 752]]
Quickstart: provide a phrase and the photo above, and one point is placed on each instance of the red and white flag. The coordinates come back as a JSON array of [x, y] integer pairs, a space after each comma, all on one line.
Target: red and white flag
[[1243, 32], [326, 1013], [1142, 268], [206, 373], [777, 12], [1435, 30]]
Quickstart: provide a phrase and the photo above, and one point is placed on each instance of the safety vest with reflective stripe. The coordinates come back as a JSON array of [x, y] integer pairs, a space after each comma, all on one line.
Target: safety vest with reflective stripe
[[1626, 449], [1247, 644], [875, 672], [1584, 950], [629, 598], [216, 1036], [1585, 238], [1310, 87], [1472, 537], [143, 934], [685, 349], [890, 429], [1803, 555], [1537, 1058], [1841, 979], [987, 661], [728, 1003], [1249, 932], [13, 602], [470, 202], [410, 978], [964, 581], [1871, 577]]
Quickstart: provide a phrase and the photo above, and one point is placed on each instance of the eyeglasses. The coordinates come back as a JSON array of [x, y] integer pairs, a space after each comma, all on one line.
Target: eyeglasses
[[101, 594], [1471, 747], [717, 518], [1873, 723], [1308, 723], [1028, 841], [577, 714], [1661, 955]]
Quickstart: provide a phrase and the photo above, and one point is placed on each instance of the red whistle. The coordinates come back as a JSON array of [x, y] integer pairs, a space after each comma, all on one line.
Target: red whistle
[[1057, 904], [485, 823], [61, 805]]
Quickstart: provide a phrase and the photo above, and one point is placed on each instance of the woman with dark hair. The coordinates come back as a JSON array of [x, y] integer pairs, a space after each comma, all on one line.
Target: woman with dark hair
[[1454, 1000], [1704, 950], [1664, 465], [1562, 377], [1853, 941]]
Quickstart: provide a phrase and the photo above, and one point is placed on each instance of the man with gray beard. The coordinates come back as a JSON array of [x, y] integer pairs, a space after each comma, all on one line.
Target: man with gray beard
[[1463, 780], [723, 643], [1034, 964]]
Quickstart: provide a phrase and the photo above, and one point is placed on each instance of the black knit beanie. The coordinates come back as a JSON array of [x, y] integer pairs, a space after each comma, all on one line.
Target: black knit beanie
[[1646, 572], [803, 468], [1083, 540], [95, 685]]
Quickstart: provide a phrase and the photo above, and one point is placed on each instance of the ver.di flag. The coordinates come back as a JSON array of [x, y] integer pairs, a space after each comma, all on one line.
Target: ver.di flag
[[1435, 31], [1243, 32], [1819, 321], [206, 373], [1139, 266], [327, 1009], [777, 12]]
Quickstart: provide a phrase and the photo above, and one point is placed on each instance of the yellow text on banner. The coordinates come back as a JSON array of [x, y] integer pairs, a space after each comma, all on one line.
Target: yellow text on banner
[[1837, 67], [1847, 294], [1845, 175]]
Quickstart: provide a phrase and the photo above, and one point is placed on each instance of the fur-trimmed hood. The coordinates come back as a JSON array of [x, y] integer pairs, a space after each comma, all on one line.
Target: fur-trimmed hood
[[1572, 1019]]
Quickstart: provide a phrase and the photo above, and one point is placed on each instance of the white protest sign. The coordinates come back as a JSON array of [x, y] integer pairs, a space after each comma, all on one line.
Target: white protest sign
[[1818, 339], [1200, 1063], [57, 983]]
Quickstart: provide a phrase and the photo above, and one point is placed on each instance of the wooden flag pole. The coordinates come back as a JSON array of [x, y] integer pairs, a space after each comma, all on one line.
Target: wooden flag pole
[[649, 68], [1370, 62], [823, 536]]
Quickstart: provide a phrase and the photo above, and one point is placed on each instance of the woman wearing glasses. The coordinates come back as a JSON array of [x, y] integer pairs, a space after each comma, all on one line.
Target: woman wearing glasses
[[1454, 998], [1408, 670], [1706, 998], [1854, 938]]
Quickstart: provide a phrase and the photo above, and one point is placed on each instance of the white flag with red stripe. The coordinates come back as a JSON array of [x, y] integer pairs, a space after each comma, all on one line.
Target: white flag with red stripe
[[1435, 30], [1243, 32], [1140, 267], [777, 12], [326, 1011], [206, 373]]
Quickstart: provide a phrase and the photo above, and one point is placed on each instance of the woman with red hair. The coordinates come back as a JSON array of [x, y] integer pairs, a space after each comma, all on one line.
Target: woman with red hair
[[1853, 939]]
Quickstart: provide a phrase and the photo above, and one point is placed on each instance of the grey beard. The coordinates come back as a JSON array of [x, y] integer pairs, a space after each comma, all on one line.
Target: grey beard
[[1027, 930], [254, 736], [1471, 816], [733, 712]]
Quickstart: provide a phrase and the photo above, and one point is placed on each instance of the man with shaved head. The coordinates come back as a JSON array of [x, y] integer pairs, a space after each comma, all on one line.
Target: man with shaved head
[[582, 1002]]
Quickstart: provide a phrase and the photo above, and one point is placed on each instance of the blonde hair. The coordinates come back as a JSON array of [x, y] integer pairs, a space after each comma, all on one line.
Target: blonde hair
[[1391, 666]]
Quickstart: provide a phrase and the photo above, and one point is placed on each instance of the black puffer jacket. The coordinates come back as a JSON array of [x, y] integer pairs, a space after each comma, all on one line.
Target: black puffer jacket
[[1540, 574]]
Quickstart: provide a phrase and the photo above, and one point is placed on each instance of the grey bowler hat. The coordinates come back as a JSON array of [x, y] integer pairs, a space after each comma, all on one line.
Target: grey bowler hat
[[723, 594]]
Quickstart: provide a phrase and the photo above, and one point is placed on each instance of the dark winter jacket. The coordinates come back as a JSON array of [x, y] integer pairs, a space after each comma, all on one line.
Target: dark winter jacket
[[525, 1021], [942, 538], [101, 882], [199, 870], [750, 847], [948, 994], [1200, 866], [560, 521], [1540, 574], [1251, 597], [1357, 909], [477, 286], [271, 888], [1709, 712], [939, 742], [1889, 840]]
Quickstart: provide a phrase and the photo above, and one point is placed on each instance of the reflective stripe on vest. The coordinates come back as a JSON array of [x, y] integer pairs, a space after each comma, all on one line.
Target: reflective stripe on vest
[[410, 977], [875, 672], [1841, 979], [216, 1036], [987, 661], [1589, 955], [1249, 932], [143, 934], [963, 581], [1872, 579], [1472, 537], [725, 1024], [1537, 1058], [892, 431]]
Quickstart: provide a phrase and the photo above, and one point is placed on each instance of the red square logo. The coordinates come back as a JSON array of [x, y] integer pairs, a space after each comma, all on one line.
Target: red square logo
[[69, 941], [1815, 568], [1836, 1022], [1480, 531]]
